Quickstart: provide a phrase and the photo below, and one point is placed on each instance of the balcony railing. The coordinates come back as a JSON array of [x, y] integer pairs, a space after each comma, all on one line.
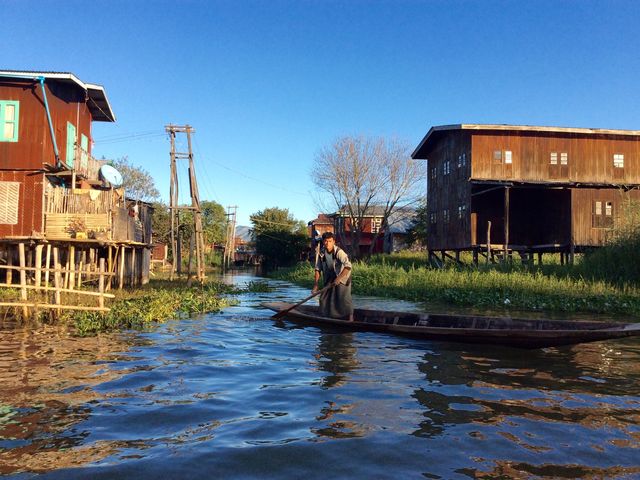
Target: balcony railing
[[85, 165]]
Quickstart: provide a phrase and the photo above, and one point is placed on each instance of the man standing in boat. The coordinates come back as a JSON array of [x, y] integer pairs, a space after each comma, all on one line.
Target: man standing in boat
[[335, 266]]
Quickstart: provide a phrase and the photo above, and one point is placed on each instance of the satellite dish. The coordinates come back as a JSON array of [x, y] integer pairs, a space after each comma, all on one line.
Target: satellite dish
[[111, 175]]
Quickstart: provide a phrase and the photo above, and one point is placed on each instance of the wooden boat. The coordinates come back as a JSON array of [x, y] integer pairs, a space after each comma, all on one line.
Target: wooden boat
[[513, 332]]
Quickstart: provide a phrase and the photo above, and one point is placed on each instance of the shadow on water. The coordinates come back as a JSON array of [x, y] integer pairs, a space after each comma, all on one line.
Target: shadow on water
[[240, 395]]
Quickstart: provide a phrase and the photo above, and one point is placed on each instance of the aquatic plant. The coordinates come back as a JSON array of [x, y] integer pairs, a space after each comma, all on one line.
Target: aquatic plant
[[151, 304]]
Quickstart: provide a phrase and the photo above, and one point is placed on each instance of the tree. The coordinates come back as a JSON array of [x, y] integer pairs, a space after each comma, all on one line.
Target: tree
[[419, 228], [361, 175], [279, 237], [137, 182], [214, 221]]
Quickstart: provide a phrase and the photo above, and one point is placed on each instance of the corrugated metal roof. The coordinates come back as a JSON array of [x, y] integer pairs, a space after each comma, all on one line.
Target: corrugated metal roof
[[98, 102], [520, 128]]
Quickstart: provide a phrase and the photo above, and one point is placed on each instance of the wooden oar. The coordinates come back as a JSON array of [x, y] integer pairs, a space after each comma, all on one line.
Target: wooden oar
[[282, 313]]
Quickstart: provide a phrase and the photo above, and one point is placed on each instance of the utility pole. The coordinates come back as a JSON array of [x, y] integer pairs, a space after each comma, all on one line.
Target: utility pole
[[174, 207], [230, 246]]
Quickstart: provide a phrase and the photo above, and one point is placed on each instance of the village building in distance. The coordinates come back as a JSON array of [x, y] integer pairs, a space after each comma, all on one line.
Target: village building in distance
[[391, 234], [526, 189], [53, 193]]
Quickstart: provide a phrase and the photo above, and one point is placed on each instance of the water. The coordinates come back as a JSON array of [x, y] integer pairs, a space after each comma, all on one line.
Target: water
[[238, 395]]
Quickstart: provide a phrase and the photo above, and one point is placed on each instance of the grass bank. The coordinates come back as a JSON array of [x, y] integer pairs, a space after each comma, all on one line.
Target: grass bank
[[549, 288], [142, 307]]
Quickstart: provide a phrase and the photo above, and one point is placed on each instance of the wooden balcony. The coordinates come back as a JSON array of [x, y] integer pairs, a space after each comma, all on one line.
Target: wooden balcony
[[94, 214], [87, 212], [85, 165]]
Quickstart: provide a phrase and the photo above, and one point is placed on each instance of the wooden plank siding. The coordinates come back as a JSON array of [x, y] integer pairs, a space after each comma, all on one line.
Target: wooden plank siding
[[589, 160], [449, 191], [551, 179], [585, 232]]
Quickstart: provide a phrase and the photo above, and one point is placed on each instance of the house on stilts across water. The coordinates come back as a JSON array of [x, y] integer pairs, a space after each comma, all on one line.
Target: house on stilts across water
[[501, 189], [61, 213]]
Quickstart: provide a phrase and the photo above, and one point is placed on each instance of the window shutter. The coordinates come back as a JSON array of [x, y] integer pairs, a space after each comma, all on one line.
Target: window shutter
[[9, 200]]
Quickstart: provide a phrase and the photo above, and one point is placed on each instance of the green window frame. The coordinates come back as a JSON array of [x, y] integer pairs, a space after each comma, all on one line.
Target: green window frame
[[71, 144], [9, 120]]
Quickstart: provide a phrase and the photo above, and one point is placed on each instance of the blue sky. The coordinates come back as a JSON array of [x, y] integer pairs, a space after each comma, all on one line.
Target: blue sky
[[266, 84]]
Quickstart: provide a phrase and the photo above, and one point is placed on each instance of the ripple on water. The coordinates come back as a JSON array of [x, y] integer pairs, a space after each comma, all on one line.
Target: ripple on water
[[237, 395]]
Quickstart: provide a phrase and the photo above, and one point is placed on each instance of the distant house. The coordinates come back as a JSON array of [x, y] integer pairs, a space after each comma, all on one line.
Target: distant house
[[526, 189], [371, 225], [396, 229], [52, 190]]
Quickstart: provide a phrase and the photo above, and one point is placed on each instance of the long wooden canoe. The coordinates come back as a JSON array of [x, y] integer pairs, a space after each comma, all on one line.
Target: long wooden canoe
[[513, 332]]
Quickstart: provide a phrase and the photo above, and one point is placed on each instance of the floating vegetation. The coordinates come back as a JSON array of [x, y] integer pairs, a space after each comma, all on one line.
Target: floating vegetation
[[507, 288], [153, 303]]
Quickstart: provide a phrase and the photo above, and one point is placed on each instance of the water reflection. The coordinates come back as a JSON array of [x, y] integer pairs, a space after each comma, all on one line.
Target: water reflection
[[48, 379], [238, 395]]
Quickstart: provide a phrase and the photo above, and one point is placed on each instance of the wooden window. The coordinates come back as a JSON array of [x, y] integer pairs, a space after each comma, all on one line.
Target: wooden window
[[446, 168], [9, 120], [445, 216], [602, 214], [376, 223], [618, 160], [564, 158], [84, 151], [553, 158], [433, 218], [462, 210], [608, 209], [71, 144], [508, 157], [462, 160], [9, 200], [434, 173], [497, 156]]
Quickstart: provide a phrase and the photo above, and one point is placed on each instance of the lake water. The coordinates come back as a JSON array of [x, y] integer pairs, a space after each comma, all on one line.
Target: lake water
[[238, 395]]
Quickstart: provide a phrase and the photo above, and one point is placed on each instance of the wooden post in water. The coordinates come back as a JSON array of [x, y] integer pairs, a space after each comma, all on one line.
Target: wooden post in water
[[23, 281], [38, 264], [72, 267], [56, 277], [121, 272], [133, 267], [48, 265], [101, 284]]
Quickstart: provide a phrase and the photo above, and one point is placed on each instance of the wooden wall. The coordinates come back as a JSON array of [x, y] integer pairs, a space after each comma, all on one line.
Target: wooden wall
[[34, 146], [589, 158], [449, 191], [30, 201], [583, 199]]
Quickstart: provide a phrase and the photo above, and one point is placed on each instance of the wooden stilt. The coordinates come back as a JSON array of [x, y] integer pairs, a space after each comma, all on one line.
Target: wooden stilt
[[132, 281], [47, 263], [488, 241], [23, 280], [121, 272], [72, 267], [57, 277], [38, 264], [101, 284]]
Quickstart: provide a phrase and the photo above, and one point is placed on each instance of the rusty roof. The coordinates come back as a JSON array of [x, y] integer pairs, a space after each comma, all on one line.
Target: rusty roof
[[98, 102]]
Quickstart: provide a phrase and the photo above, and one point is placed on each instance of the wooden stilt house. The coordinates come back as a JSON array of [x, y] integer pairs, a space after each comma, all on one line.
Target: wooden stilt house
[[52, 193], [526, 189]]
